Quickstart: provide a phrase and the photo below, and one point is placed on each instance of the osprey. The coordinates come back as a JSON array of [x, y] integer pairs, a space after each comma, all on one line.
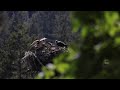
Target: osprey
[[61, 44]]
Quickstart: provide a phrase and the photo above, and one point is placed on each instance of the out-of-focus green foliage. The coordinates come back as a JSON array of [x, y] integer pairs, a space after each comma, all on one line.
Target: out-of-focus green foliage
[[95, 55]]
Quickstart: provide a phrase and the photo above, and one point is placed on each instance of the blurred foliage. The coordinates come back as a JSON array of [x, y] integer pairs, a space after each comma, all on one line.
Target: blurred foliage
[[95, 54]]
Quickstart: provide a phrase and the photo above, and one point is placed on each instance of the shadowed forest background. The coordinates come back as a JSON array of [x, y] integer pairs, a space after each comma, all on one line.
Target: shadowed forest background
[[93, 39]]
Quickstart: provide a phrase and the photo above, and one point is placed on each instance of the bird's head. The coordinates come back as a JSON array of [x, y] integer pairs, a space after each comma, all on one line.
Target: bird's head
[[56, 41], [43, 40]]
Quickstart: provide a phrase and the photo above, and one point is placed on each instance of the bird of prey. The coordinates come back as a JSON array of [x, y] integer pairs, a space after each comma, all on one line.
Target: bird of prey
[[43, 40]]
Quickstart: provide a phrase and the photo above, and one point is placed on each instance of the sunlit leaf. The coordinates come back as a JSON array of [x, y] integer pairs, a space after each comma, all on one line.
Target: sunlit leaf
[[62, 67], [59, 58], [72, 54], [49, 74], [111, 17], [112, 31], [117, 41], [75, 24], [84, 32]]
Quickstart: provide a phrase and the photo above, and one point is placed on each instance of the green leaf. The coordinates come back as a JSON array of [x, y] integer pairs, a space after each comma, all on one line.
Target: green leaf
[[75, 24], [62, 67], [72, 54], [84, 32], [111, 17], [49, 74], [59, 59], [117, 41], [112, 31]]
